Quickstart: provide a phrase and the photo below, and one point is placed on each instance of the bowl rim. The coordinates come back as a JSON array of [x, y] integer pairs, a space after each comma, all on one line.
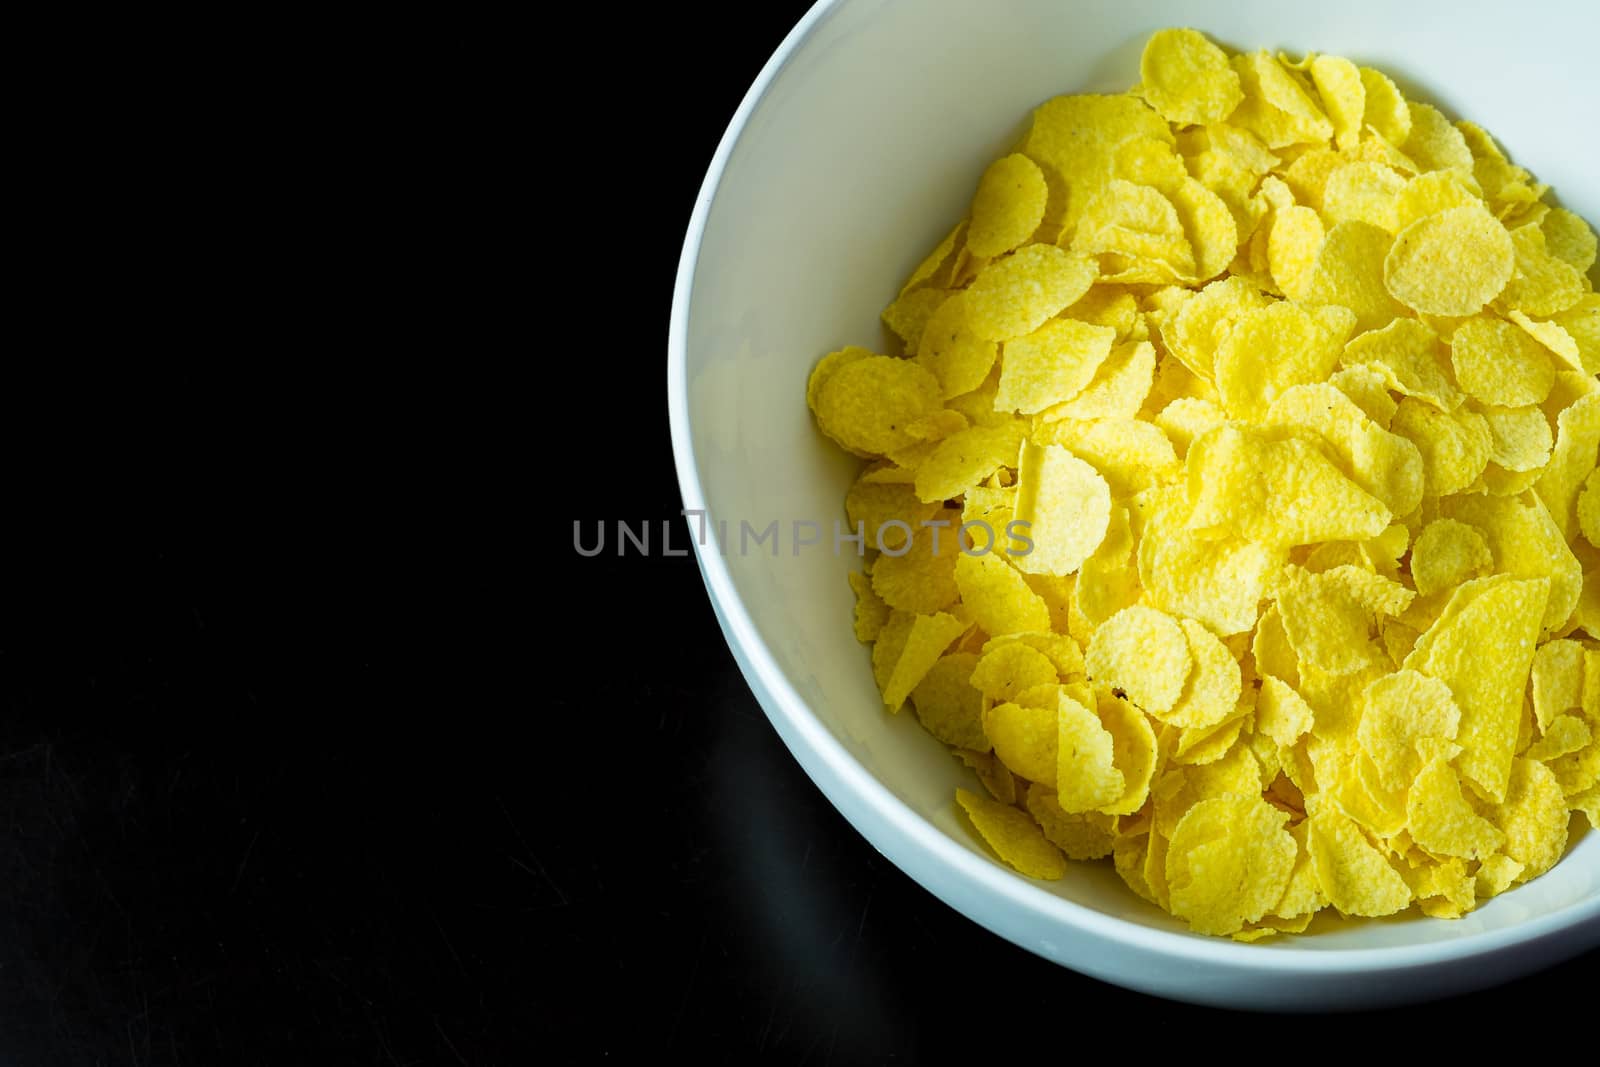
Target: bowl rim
[[756, 661]]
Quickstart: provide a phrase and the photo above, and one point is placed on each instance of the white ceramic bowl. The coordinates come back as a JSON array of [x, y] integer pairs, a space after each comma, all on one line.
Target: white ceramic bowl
[[855, 150]]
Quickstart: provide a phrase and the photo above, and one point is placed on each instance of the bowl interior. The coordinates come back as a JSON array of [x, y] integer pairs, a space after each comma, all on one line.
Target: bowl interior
[[860, 155]]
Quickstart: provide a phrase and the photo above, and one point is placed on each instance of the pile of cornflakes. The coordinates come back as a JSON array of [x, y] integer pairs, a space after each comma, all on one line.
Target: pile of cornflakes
[[1233, 509]]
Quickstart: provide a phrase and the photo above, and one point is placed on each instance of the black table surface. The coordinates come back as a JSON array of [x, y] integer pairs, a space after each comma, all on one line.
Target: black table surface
[[320, 745]]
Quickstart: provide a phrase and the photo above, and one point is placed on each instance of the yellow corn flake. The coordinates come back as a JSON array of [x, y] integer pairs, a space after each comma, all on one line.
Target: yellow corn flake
[[1000, 782], [1135, 221], [872, 505], [1076, 137], [871, 612], [1208, 744], [1498, 363], [1519, 438], [997, 597], [1108, 581], [1308, 172], [908, 315], [1577, 772], [926, 641], [1202, 320], [1496, 874], [1361, 795], [921, 579], [1482, 647], [1384, 464], [1142, 653], [1328, 618], [1589, 509], [1293, 245], [1386, 109], [1086, 776], [1051, 365], [1187, 78], [1565, 735], [964, 459], [948, 705], [1569, 238], [1274, 654], [1455, 446], [1024, 739], [1148, 161], [1353, 875], [1008, 206], [1217, 581], [1542, 284], [1577, 441], [1339, 84], [1398, 710], [825, 369], [1174, 381], [1558, 680], [1228, 863], [1213, 687], [1131, 455], [1276, 491], [1061, 650], [1015, 295], [1533, 818], [978, 404], [1408, 355], [1374, 149], [1118, 389], [1445, 887], [1431, 193], [1281, 713], [1573, 334], [1364, 192], [1013, 836], [957, 357], [1187, 418], [1010, 668], [1270, 350], [1067, 505], [1448, 553], [1130, 856], [1178, 788], [1108, 305], [1276, 107], [1525, 544], [1209, 226], [936, 267], [1450, 263], [1349, 274], [1434, 143], [890, 641], [1303, 896], [1079, 836], [1368, 390], [867, 403]]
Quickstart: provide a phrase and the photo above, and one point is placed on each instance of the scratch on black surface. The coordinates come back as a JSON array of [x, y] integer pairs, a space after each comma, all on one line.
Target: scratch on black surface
[[541, 873], [238, 875], [688, 988], [451, 1045], [534, 856], [862, 925], [439, 926]]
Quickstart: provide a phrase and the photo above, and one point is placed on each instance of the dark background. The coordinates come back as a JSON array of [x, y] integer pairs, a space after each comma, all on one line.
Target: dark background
[[317, 742]]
